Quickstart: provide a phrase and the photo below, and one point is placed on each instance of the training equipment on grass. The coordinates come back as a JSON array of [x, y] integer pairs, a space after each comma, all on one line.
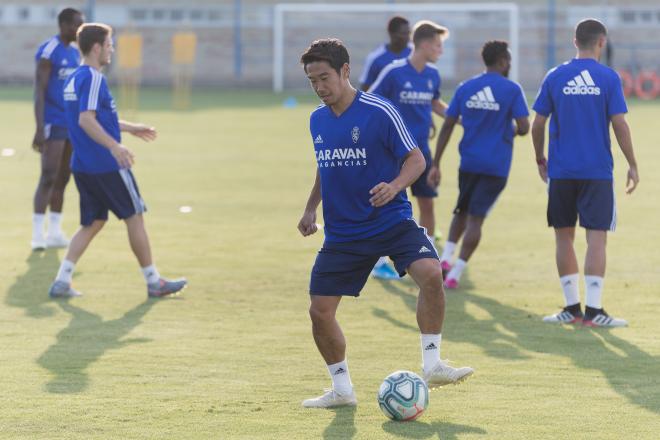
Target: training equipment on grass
[[403, 396]]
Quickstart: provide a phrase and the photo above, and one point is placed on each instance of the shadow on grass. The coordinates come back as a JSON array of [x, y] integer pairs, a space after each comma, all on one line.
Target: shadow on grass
[[83, 342], [30, 290], [507, 332], [342, 426], [422, 430]]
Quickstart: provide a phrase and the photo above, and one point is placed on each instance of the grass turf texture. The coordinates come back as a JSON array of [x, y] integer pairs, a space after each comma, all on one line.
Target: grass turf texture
[[233, 357]]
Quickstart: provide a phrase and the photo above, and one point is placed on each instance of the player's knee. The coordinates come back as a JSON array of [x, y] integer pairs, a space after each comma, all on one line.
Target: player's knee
[[319, 314], [48, 177], [432, 282]]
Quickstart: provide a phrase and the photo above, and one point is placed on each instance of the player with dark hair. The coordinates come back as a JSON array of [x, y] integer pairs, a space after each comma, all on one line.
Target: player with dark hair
[[366, 157], [398, 28], [487, 105], [582, 98], [413, 85], [101, 164], [56, 59]]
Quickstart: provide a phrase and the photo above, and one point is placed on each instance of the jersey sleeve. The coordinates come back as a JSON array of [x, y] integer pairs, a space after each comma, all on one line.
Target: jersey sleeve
[[47, 52], [616, 101], [398, 139], [543, 103], [454, 108], [519, 108], [436, 89], [383, 84], [89, 92]]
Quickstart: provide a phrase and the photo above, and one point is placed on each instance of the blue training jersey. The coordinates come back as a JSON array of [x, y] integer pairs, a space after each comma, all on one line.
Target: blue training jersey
[[411, 92], [487, 103], [580, 96], [378, 59], [87, 89], [355, 151], [64, 59]]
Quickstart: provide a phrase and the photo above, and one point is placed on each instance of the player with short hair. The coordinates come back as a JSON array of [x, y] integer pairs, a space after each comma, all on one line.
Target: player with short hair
[[366, 157], [582, 97], [413, 85], [56, 59], [487, 105], [101, 164], [398, 28]]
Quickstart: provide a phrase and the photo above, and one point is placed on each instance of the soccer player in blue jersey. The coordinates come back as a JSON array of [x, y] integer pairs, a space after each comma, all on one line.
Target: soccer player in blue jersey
[[366, 158], [413, 86], [101, 164], [56, 59], [399, 47], [582, 97], [487, 105]]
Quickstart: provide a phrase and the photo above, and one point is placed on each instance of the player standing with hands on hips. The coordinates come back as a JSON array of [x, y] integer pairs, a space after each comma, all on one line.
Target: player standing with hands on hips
[[366, 158], [582, 97]]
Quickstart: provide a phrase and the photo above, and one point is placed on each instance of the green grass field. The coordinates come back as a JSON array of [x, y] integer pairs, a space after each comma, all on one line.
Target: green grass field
[[233, 357]]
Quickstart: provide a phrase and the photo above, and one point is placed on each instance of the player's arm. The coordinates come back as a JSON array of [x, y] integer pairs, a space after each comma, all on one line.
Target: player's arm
[[89, 124], [439, 107], [623, 137], [44, 67], [144, 132], [307, 224], [413, 166], [433, 177], [538, 139], [522, 126]]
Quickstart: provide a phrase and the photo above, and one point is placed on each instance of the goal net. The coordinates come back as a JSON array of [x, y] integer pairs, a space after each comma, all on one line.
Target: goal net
[[363, 27]]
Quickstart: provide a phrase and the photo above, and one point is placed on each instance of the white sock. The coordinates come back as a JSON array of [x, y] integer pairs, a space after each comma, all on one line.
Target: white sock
[[38, 225], [66, 271], [571, 287], [54, 223], [341, 379], [448, 251], [430, 350], [151, 274], [594, 289], [457, 270], [382, 261]]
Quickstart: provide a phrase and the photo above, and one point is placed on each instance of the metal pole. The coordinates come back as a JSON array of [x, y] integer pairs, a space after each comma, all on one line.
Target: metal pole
[[552, 11], [238, 44], [91, 10]]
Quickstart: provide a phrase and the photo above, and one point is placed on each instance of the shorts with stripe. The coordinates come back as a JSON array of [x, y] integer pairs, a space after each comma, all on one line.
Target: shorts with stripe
[[343, 268], [55, 132], [114, 191], [592, 200]]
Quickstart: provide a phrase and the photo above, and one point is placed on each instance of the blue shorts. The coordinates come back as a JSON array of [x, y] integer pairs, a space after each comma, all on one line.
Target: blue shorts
[[420, 188], [478, 193], [115, 191], [55, 132], [592, 200], [343, 268]]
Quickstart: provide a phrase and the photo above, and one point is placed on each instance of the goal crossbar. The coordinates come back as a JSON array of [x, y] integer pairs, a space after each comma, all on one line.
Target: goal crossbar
[[282, 8]]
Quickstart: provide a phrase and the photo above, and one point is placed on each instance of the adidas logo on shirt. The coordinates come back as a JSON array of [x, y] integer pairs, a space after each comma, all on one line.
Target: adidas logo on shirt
[[318, 140], [407, 85], [582, 84], [483, 100]]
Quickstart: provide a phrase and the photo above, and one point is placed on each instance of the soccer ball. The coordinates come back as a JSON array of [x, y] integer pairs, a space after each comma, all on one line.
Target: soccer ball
[[403, 395]]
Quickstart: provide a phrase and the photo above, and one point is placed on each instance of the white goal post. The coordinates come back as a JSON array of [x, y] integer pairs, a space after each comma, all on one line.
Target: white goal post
[[321, 13]]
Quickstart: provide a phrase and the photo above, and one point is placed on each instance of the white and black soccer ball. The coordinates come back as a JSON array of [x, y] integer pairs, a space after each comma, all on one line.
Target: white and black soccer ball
[[403, 396]]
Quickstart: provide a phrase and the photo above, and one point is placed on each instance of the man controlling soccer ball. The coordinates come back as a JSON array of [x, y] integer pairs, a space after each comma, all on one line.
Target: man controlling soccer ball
[[366, 158]]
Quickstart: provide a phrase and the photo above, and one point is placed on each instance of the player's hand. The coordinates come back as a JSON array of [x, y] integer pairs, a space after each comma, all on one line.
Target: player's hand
[[144, 132], [543, 170], [433, 130], [433, 178], [39, 141], [382, 194], [307, 224], [123, 155], [632, 180]]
